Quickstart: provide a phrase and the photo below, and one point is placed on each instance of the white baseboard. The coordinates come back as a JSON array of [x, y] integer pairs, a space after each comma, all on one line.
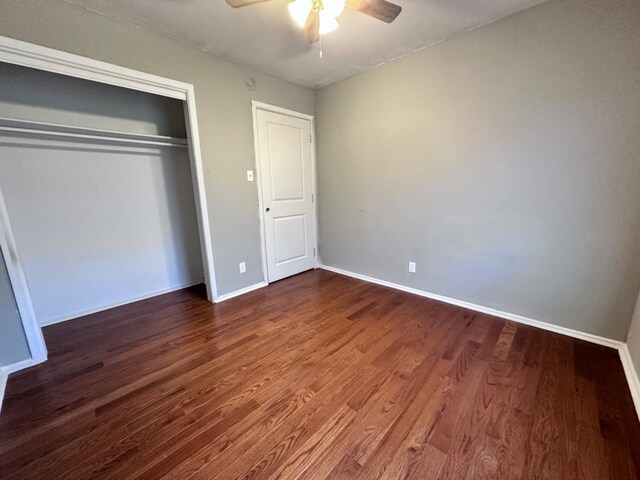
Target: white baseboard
[[119, 304], [630, 372], [632, 376], [242, 291], [6, 370], [607, 342], [15, 367], [625, 358], [3, 386]]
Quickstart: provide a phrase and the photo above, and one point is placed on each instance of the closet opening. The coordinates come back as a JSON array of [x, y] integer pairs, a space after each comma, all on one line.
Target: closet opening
[[101, 200]]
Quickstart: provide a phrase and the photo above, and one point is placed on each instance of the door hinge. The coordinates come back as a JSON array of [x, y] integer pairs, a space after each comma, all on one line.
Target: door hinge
[[313, 197], [310, 138], [314, 252]]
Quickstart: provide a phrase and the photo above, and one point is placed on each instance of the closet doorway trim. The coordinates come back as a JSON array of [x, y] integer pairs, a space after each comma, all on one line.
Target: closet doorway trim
[[29, 55]]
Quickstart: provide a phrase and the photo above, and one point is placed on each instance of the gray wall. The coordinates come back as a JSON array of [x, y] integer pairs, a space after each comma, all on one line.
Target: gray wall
[[29, 94], [224, 112], [633, 342], [99, 225], [13, 343], [505, 162]]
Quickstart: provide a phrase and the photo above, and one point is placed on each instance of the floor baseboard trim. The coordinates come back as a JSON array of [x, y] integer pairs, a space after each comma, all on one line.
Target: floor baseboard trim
[[15, 367], [3, 386], [242, 291], [630, 372], [607, 342], [6, 370], [632, 376], [102, 308]]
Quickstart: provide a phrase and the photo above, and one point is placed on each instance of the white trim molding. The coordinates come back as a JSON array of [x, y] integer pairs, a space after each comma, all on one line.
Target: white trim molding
[[16, 367], [621, 347], [6, 370], [3, 386], [30, 128], [242, 291], [13, 263], [255, 105], [42, 58], [109, 306], [607, 342], [632, 375]]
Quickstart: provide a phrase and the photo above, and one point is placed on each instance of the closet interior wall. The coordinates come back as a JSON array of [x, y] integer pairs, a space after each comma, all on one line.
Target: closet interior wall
[[97, 184]]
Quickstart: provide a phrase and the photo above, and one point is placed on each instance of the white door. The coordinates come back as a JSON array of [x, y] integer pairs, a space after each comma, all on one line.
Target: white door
[[286, 177]]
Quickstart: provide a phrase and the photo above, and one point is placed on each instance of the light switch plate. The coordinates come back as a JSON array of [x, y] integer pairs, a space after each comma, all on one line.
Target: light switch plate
[[243, 267], [249, 175], [412, 267]]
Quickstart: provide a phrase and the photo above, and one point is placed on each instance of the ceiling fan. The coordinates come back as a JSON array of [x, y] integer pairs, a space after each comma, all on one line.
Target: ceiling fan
[[318, 17]]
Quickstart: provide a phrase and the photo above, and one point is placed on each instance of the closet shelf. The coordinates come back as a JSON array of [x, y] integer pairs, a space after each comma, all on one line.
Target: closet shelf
[[28, 127]]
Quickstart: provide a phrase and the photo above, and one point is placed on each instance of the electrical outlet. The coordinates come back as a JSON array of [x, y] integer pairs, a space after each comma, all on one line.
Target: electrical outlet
[[249, 175], [243, 267], [412, 267]]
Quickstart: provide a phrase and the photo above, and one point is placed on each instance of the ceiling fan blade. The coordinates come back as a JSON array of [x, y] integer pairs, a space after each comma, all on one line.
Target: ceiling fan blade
[[243, 3], [380, 9], [312, 28]]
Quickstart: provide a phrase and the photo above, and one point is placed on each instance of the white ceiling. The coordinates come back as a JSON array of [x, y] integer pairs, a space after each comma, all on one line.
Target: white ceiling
[[263, 36]]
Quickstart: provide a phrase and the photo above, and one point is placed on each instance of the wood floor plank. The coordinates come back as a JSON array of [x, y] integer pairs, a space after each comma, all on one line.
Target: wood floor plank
[[316, 376], [346, 468]]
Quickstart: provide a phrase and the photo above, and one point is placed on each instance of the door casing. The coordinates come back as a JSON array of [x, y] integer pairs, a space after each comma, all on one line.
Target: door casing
[[255, 106], [48, 59]]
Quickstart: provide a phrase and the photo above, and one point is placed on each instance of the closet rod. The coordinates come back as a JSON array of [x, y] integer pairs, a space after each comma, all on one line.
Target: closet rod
[[49, 129]]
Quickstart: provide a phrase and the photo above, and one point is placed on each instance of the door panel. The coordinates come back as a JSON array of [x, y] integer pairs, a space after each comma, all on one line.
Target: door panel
[[290, 238], [287, 163], [286, 179]]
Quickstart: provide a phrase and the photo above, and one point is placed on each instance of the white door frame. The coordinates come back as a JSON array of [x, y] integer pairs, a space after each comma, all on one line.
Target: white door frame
[[33, 332], [42, 58], [255, 106]]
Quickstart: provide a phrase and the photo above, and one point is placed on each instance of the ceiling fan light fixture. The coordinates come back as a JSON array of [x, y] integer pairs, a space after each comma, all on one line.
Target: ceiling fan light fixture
[[318, 17], [299, 10], [333, 8], [328, 23]]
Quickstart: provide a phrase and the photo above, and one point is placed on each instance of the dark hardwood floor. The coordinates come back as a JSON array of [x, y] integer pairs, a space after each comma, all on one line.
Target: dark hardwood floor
[[317, 376]]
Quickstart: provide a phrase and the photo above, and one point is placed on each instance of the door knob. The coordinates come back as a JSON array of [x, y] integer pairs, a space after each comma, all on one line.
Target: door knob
[[268, 209]]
